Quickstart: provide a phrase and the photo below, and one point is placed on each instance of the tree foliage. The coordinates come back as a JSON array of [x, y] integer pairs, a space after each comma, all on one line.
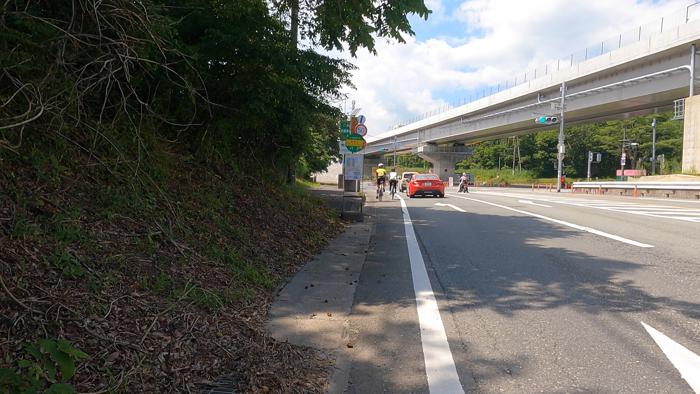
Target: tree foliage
[[538, 150], [219, 77], [333, 23]]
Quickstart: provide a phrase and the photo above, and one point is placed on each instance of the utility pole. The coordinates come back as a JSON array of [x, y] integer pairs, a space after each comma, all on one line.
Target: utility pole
[[622, 155], [512, 168], [560, 145], [653, 146], [590, 159], [394, 161]]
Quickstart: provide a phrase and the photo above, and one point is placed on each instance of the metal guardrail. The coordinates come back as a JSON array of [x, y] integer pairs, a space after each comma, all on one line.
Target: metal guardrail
[[638, 185], [429, 148]]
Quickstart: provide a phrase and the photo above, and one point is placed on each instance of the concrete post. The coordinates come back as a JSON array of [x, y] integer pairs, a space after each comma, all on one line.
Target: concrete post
[[691, 135]]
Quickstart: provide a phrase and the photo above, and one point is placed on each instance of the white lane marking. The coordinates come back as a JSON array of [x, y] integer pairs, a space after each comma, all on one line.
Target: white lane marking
[[534, 203], [439, 364], [685, 361], [675, 212], [456, 208], [576, 226]]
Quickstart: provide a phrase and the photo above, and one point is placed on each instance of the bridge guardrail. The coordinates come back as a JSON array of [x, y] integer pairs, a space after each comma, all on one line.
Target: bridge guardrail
[[639, 185]]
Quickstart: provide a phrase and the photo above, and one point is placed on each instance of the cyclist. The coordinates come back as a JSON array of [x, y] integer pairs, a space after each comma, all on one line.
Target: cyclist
[[464, 183], [381, 177], [393, 181]]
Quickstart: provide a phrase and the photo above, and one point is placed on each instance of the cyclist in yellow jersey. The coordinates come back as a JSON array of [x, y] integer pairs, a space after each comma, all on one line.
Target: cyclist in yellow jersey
[[381, 177]]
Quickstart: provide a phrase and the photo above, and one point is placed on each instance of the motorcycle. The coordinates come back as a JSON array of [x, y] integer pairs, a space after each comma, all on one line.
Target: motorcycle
[[463, 187]]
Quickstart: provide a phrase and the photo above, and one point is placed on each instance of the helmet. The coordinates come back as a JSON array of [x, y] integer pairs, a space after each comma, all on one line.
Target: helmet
[[464, 174], [381, 165]]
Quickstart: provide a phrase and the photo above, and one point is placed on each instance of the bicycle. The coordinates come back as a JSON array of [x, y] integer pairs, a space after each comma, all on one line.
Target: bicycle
[[392, 188], [380, 191]]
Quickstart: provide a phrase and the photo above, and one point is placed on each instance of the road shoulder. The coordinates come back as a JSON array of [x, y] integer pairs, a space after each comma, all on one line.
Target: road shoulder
[[314, 306]]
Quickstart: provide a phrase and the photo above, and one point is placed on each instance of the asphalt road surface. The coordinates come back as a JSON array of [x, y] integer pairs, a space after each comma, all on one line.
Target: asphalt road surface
[[529, 292]]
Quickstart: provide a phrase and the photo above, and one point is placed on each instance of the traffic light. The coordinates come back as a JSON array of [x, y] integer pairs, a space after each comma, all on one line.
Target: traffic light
[[546, 120]]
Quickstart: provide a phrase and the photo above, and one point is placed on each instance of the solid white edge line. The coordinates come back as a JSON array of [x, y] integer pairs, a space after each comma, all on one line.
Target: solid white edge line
[[576, 226], [685, 361], [440, 367]]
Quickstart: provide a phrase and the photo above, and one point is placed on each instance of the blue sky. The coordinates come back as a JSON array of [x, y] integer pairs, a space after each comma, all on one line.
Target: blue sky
[[468, 45]]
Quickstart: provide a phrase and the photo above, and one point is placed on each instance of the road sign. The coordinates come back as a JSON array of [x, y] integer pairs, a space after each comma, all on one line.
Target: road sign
[[353, 167], [344, 127], [361, 129], [623, 159], [355, 143], [361, 119], [353, 123], [342, 149]]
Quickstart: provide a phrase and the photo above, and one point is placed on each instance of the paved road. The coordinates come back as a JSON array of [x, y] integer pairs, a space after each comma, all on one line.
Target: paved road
[[536, 292]]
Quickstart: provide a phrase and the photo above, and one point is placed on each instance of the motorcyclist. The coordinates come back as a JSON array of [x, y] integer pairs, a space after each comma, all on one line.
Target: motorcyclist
[[463, 183]]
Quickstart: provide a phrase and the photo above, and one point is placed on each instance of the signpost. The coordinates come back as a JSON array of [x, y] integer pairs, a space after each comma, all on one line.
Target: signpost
[[353, 167], [351, 143], [355, 143], [342, 149]]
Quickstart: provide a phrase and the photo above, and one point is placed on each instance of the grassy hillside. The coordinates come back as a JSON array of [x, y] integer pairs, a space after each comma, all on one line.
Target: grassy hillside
[[147, 281]]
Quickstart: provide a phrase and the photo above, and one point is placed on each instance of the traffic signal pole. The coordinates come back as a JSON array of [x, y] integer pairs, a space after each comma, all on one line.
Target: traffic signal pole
[[560, 145]]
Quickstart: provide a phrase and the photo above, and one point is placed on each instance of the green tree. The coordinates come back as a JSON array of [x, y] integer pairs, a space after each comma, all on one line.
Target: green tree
[[332, 23]]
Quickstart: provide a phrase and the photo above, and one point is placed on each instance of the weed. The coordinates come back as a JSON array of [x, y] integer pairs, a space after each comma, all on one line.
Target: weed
[[249, 273], [162, 284], [68, 264], [23, 228], [47, 362], [66, 228]]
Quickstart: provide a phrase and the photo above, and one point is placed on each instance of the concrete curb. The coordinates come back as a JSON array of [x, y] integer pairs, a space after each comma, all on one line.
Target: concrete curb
[[314, 308]]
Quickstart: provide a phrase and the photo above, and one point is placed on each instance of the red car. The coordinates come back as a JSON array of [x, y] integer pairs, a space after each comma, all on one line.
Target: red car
[[424, 184]]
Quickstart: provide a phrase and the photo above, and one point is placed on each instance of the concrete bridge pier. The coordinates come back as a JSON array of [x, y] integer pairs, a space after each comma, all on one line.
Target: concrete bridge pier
[[444, 160], [691, 135], [368, 166]]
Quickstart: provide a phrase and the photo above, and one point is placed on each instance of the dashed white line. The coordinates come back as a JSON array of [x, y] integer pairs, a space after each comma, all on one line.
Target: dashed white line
[[576, 226], [456, 208], [439, 364], [534, 203], [685, 361]]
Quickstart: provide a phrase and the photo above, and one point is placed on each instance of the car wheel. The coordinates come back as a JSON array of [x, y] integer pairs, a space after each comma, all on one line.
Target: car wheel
[[441, 195]]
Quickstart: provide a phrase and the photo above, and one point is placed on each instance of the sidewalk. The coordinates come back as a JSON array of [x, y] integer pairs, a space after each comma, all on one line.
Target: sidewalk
[[313, 309]]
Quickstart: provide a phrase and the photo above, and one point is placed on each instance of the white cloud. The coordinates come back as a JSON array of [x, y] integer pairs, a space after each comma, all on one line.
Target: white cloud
[[498, 40]]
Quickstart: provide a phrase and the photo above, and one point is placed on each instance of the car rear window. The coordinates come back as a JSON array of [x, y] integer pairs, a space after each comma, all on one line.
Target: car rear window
[[423, 177], [407, 176]]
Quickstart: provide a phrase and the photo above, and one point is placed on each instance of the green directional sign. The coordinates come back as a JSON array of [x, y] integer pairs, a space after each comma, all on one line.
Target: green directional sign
[[344, 127], [355, 143]]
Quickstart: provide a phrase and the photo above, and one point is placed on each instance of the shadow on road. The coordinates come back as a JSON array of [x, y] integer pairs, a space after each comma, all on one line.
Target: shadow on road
[[507, 265]]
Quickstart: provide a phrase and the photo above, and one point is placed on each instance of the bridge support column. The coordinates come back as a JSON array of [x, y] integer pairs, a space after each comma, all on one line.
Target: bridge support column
[[369, 164], [691, 135], [443, 163]]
